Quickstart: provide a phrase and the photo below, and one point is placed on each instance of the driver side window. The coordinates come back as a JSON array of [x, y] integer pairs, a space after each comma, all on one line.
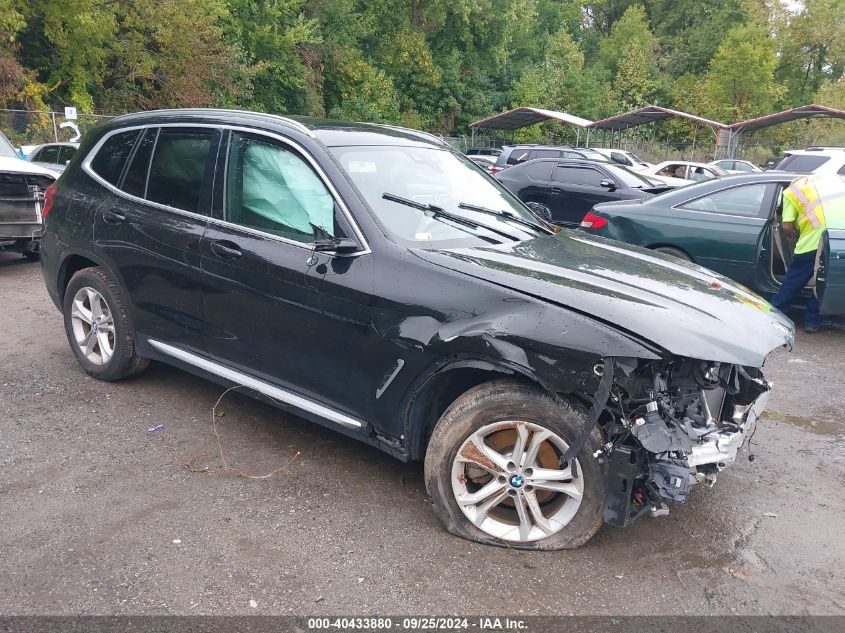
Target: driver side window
[[270, 188]]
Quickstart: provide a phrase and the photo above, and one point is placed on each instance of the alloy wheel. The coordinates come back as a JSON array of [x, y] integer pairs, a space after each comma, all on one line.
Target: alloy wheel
[[93, 325], [508, 480]]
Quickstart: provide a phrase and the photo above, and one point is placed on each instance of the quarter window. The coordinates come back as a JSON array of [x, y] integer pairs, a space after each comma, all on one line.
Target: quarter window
[[178, 167], [135, 180], [746, 201], [272, 189], [109, 161]]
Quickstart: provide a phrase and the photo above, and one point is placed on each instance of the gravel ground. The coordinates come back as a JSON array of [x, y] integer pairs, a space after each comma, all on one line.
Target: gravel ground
[[101, 516]]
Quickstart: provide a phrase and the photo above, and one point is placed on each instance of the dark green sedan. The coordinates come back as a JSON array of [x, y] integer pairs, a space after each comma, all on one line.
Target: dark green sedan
[[730, 225]]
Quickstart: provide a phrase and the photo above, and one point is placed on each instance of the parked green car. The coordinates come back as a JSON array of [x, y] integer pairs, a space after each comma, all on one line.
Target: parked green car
[[730, 225]]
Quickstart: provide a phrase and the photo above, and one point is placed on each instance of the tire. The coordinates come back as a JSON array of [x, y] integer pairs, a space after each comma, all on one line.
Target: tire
[[496, 405], [113, 332], [674, 252]]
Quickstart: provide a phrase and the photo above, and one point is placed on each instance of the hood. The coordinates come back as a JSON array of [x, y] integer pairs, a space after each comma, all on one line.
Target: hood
[[682, 308], [20, 166]]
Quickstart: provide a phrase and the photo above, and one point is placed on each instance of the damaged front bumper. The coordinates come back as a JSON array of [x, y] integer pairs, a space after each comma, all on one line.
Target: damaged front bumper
[[674, 426]]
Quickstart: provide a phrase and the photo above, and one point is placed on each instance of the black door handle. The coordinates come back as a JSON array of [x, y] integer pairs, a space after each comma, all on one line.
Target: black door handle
[[226, 249], [113, 217]]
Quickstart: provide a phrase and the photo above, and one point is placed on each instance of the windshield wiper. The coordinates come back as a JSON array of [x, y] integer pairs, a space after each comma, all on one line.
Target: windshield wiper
[[439, 212], [505, 214]]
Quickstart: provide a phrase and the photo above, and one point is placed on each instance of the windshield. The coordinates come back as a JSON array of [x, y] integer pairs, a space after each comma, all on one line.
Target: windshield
[[436, 177], [631, 179], [7, 150]]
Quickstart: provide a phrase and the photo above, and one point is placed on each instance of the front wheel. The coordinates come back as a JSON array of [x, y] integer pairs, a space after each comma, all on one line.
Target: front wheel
[[494, 472], [98, 328]]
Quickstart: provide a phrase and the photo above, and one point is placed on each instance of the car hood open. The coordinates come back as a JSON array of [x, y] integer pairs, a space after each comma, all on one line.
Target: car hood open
[[680, 307]]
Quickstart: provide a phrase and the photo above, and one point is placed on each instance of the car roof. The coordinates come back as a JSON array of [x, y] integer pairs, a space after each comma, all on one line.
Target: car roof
[[329, 132], [56, 144], [830, 152]]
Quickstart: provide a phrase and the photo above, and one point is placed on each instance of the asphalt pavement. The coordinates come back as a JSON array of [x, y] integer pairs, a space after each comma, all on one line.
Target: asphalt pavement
[[101, 515]]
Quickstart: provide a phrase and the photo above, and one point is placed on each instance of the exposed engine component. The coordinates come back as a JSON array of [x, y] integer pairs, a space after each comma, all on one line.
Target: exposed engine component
[[674, 424]]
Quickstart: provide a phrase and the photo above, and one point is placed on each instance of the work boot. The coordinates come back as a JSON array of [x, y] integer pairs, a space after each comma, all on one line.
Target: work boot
[[812, 328]]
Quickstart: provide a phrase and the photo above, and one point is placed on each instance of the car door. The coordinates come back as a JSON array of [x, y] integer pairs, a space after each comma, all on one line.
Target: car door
[[291, 316], [573, 190], [723, 230], [149, 227], [534, 181], [830, 274]]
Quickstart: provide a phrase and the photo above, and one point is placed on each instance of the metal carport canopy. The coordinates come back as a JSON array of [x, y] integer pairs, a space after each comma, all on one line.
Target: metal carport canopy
[[804, 112], [649, 114], [523, 117]]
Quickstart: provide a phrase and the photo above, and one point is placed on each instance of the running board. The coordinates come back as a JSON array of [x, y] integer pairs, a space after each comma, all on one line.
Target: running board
[[271, 391]]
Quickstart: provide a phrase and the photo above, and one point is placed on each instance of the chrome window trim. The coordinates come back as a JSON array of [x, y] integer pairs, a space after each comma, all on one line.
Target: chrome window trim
[[728, 215], [86, 166], [265, 388]]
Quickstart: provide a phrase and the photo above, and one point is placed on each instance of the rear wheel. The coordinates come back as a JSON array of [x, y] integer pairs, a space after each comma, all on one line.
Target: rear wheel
[[98, 328], [674, 252], [494, 473]]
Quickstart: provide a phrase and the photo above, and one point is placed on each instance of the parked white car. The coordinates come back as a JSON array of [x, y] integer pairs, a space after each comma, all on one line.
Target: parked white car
[[625, 158], [734, 166], [22, 189], [52, 156], [814, 160], [682, 172]]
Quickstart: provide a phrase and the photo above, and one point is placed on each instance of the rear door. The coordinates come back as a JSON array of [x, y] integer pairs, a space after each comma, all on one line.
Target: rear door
[[149, 228], [830, 275], [573, 191]]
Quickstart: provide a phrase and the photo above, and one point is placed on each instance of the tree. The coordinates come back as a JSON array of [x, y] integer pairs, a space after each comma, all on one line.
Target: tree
[[741, 80], [812, 48], [690, 31]]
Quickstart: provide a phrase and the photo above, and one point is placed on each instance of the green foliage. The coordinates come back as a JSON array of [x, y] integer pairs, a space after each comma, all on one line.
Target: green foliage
[[434, 64], [741, 81]]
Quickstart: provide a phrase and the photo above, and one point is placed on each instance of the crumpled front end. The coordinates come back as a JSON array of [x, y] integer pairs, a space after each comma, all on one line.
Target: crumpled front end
[[674, 424]]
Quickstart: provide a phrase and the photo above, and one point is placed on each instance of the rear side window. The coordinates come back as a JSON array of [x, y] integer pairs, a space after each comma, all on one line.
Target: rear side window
[[518, 156], [541, 170], [110, 159], [66, 152], [746, 200], [802, 163], [841, 171], [578, 175], [135, 181], [178, 167], [48, 155], [545, 153]]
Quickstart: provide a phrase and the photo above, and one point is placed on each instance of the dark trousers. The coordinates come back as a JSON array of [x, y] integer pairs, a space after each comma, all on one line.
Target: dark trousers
[[799, 273]]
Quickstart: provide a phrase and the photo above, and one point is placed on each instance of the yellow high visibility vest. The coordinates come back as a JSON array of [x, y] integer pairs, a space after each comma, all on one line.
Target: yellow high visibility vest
[[814, 197]]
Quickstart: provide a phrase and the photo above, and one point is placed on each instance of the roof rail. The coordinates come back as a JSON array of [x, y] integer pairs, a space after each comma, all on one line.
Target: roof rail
[[433, 137]]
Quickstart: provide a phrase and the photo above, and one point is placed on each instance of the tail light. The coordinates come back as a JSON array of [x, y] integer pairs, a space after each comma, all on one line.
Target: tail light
[[49, 196], [593, 221], [493, 169]]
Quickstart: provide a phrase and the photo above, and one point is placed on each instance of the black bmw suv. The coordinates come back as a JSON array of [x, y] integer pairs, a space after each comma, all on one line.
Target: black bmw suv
[[375, 281]]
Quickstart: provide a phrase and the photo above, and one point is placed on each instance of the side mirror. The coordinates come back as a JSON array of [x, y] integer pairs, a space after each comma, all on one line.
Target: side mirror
[[339, 245], [607, 184]]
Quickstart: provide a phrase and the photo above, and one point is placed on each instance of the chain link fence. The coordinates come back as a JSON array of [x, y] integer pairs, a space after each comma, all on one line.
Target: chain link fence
[[30, 127]]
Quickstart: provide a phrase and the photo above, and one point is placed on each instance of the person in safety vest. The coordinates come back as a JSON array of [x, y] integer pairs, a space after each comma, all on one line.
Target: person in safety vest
[[805, 202]]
